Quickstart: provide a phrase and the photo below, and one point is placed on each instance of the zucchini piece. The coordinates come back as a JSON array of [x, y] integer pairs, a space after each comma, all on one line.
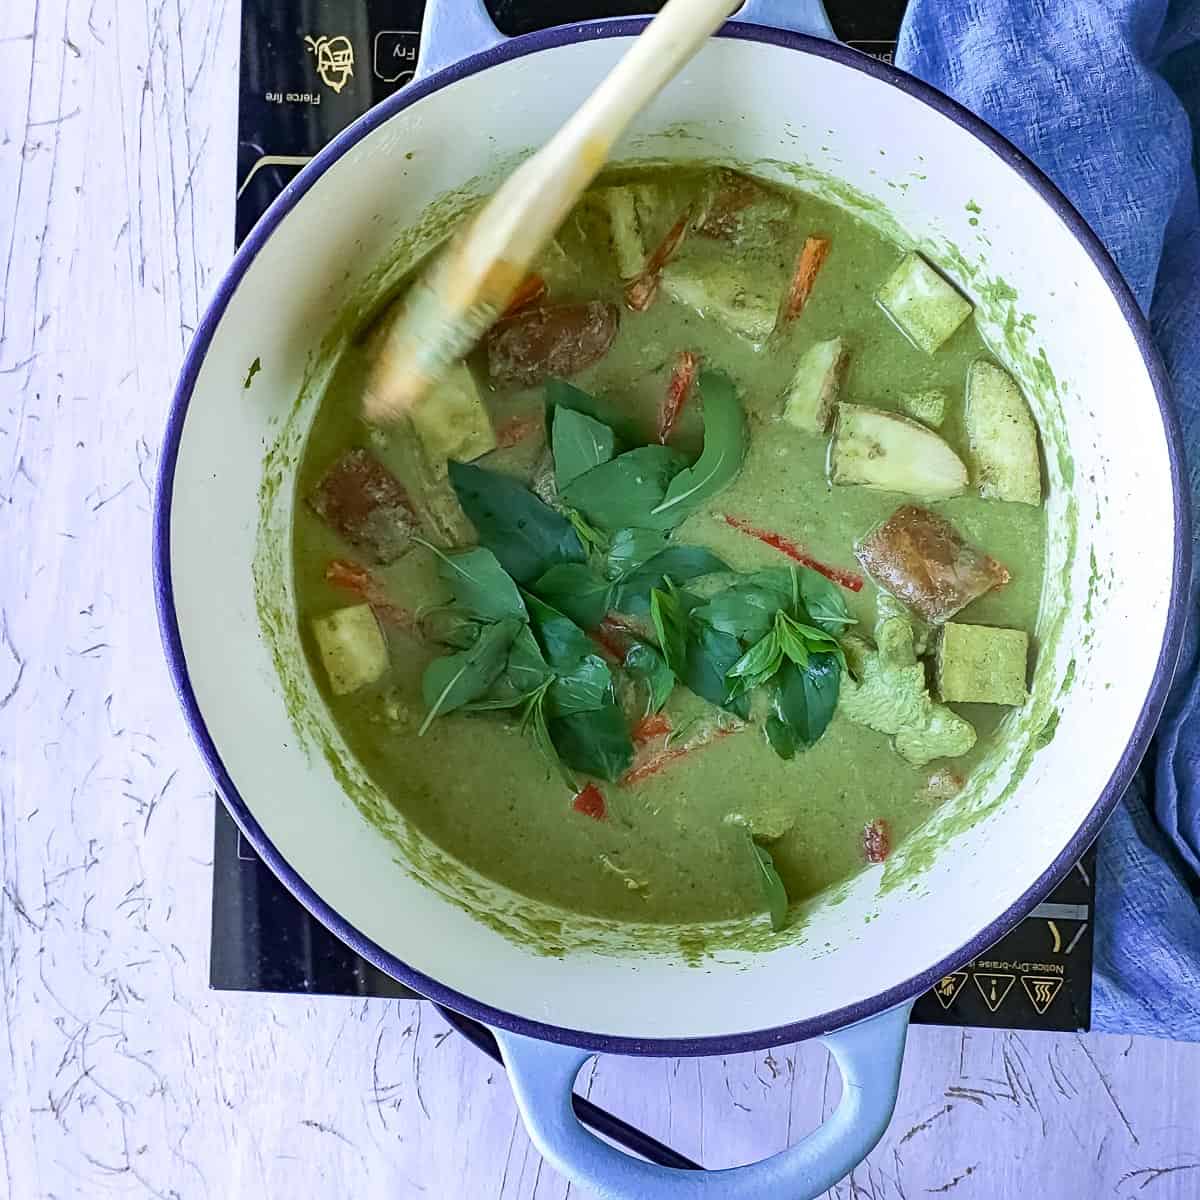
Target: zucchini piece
[[928, 407], [890, 453], [451, 420], [925, 307], [981, 664], [814, 388], [721, 290], [1002, 441], [353, 651], [621, 205]]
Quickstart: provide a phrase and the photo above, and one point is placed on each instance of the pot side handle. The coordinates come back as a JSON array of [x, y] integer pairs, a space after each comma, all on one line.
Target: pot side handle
[[456, 29], [868, 1054]]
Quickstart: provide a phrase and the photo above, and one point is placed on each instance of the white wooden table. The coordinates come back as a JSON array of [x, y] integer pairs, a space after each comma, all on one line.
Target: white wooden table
[[121, 1074]]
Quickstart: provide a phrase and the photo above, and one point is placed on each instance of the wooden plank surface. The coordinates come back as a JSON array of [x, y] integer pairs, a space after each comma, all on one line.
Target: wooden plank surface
[[120, 1073]]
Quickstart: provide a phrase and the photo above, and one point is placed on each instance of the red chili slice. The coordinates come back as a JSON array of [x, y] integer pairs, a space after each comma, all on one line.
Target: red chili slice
[[679, 388], [847, 579], [877, 841], [354, 578], [641, 291], [590, 802]]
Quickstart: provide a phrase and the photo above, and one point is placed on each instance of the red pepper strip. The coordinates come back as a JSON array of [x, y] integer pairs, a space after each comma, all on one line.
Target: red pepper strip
[[683, 379], [517, 429], [532, 288], [812, 256], [640, 291], [590, 802], [356, 579], [650, 727], [847, 579], [663, 758], [613, 636], [877, 841]]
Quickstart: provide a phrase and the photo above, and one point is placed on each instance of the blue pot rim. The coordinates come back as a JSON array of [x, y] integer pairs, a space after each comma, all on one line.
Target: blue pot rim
[[724, 1043]]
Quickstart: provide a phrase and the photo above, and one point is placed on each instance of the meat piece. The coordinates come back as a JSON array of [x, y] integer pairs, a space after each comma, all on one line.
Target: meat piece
[[366, 505], [733, 194], [557, 339], [923, 560]]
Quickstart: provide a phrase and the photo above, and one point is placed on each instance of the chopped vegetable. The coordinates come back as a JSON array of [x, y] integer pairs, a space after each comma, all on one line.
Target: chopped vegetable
[[928, 406], [532, 288], [1001, 436], [720, 289], [558, 339], [777, 541], [640, 292], [980, 664], [516, 429], [738, 206], [527, 536], [887, 452], [356, 579], [885, 690], [649, 727], [352, 648], [590, 802], [455, 680], [923, 560], [645, 767], [451, 419], [925, 307], [813, 390], [366, 505], [808, 265], [579, 443], [877, 841], [621, 206], [679, 388], [942, 784], [774, 893]]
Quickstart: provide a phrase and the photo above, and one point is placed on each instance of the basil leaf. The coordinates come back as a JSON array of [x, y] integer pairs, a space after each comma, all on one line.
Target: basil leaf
[[721, 459], [526, 536], [591, 537], [822, 598], [457, 679], [671, 624], [563, 395], [597, 742], [805, 699], [625, 491], [759, 663], [575, 591], [630, 548], [747, 609], [710, 654], [644, 662], [678, 563], [792, 643], [782, 737], [534, 721], [479, 583], [526, 669], [583, 680], [774, 893], [579, 443]]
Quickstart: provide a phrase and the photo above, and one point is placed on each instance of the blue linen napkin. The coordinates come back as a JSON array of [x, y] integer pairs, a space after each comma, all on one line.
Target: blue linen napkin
[[1104, 95]]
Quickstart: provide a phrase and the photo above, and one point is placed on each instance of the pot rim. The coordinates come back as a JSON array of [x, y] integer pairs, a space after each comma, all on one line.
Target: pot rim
[[431, 988]]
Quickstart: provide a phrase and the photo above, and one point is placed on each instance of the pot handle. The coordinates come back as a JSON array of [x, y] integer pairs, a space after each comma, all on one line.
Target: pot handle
[[868, 1054], [456, 29]]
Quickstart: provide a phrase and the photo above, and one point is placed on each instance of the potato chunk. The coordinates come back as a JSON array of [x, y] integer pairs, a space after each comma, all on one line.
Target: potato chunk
[[926, 307], [352, 648], [889, 453], [981, 664], [719, 289], [1001, 436], [813, 390], [923, 560], [928, 407]]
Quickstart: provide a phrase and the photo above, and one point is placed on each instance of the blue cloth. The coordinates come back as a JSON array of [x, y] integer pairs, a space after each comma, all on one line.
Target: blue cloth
[[1104, 95]]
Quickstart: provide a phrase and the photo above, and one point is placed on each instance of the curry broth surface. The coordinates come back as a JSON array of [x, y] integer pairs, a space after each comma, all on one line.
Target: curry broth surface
[[480, 789]]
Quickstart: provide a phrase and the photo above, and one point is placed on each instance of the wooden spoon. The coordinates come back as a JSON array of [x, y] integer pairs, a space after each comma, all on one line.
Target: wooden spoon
[[468, 285]]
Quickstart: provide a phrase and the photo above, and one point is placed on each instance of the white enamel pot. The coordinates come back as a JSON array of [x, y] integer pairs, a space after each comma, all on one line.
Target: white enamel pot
[[1108, 634]]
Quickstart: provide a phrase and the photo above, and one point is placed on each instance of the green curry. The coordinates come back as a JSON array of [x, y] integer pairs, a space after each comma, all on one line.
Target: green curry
[[708, 577]]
